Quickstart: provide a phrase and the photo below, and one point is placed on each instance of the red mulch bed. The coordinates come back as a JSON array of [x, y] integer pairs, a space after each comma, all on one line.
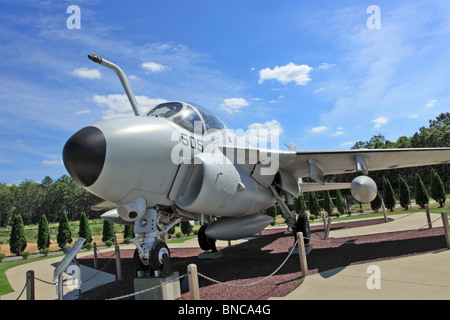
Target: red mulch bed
[[253, 260]]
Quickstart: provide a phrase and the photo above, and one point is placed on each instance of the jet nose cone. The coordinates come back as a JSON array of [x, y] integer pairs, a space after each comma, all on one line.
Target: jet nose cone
[[84, 155]]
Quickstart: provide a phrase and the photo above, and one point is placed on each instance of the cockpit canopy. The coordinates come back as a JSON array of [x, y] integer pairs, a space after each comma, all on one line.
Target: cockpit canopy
[[189, 116]]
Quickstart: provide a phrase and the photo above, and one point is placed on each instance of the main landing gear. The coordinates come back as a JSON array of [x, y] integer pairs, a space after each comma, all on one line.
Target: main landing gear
[[152, 255], [301, 224]]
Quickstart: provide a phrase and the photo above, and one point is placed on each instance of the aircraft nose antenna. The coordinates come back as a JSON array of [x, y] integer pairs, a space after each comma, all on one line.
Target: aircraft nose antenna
[[84, 155]]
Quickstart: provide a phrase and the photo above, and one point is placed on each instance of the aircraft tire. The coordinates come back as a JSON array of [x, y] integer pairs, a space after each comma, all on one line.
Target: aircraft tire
[[204, 241], [139, 264], [156, 256], [303, 226]]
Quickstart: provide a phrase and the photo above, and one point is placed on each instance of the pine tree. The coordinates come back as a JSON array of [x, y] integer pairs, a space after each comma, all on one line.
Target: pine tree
[[108, 231], [85, 230], [17, 239], [43, 240], [404, 192], [437, 189], [388, 195], [421, 193], [128, 232], [186, 227], [340, 203], [328, 205], [376, 203], [64, 235], [300, 205], [314, 207]]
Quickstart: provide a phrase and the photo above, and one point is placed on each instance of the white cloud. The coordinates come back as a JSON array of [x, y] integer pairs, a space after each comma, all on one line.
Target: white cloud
[[380, 121], [118, 105], [318, 129], [261, 134], [431, 103], [87, 73], [233, 104], [53, 162], [338, 133], [347, 143], [153, 67], [285, 74], [413, 116], [84, 111], [325, 65]]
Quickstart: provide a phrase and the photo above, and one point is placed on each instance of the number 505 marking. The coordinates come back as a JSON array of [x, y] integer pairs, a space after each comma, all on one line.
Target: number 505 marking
[[191, 141]]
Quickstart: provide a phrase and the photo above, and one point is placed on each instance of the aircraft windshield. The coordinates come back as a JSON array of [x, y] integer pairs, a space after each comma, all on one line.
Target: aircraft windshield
[[211, 121], [166, 110], [189, 117]]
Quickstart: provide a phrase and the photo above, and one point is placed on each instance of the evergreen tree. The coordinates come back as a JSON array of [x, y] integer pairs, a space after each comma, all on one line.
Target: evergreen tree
[[186, 227], [128, 232], [376, 203], [314, 207], [300, 205], [85, 229], [108, 231], [404, 192], [437, 189], [328, 205], [43, 240], [272, 212], [388, 195], [421, 193], [340, 203], [17, 239], [64, 235]]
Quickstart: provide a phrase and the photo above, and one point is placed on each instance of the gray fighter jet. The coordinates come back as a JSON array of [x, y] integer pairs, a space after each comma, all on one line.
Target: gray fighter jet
[[179, 161]]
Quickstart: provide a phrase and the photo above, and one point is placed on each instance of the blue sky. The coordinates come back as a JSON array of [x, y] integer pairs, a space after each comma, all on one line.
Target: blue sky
[[312, 69]]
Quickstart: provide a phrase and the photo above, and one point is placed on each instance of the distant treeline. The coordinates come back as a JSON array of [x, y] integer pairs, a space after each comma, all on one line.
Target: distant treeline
[[32, 199], [437, 134]]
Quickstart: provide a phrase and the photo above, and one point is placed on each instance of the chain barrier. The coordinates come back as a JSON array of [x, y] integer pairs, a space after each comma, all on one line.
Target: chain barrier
[[252, 283]]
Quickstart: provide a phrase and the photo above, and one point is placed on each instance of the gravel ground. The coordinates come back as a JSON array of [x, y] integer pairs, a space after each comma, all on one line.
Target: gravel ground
[[253, 260]]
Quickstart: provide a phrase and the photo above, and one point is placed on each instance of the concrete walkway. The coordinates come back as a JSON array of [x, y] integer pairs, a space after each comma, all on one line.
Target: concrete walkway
[[425, 276]]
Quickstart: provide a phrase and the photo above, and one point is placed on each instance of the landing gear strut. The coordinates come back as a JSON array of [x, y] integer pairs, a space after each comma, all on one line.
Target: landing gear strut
[[151, 255]]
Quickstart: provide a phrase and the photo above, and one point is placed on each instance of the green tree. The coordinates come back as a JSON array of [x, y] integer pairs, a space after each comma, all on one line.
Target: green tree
[[388, 195], [421, 193], [376, 203], [404, 192], [17, 239], [128, 232], [85, 229], [328, 205], [314, 207], [186, 227], [64, 235], [108, 231], [340, 203], [437, 189], [43, 240], [300, 205]]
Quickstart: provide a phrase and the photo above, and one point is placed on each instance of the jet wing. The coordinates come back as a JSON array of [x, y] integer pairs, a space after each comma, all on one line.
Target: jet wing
[[316, 164]]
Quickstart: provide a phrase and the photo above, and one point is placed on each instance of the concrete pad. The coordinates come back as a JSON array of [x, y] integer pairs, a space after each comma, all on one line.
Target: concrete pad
[[421, 277], [46, 289]]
